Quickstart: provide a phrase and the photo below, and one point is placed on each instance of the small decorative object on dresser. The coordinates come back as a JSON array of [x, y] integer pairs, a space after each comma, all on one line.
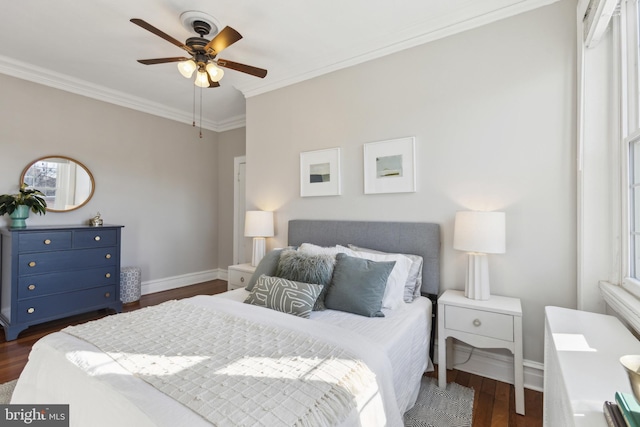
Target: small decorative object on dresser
[[495, 323], [239, 276], [57, 271], [18, 205]]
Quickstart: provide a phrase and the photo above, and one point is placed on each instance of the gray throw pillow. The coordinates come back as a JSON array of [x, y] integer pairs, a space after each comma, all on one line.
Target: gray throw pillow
[[284, 295], [267, 266], [358, 285], [303, 267]]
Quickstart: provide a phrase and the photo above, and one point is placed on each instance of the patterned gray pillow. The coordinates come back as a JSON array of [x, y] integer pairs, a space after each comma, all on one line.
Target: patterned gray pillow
[[284, 295], [303, 267]]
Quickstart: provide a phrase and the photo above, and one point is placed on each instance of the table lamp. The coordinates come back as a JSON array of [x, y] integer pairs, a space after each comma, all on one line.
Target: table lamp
[[479, 234], [258, 224]]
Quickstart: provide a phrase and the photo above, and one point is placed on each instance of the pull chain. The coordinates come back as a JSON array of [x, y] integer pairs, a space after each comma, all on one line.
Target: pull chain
[[193, 115], [200, 112]]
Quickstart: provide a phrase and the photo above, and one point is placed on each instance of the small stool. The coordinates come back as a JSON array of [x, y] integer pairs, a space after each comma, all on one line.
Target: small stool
[[130, 284]]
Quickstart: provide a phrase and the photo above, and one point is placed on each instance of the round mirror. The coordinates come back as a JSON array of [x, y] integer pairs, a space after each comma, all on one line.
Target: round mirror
[[66, 183]]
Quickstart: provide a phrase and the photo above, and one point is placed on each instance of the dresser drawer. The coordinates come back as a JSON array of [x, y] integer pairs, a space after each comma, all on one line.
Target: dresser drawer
[[487, 324], [45, 262], [53, 283], [44, 241], [238, 279], [95, 238], [34, 309]]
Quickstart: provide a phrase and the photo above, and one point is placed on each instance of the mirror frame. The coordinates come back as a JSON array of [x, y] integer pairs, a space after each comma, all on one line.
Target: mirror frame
[[54, 156]]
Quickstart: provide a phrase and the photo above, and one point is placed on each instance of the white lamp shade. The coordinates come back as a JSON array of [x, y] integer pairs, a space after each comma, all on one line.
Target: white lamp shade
[[215, 73], [258, 224], [187, 68], [480, 232]]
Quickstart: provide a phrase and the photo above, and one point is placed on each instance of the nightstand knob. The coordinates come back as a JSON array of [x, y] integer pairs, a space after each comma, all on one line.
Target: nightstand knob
[[47, 242], [108, 256], [97, 238], [31, 310], [32, 264], [107, 295], [477, 322], [242, 279], [107, 275], [31, 287]]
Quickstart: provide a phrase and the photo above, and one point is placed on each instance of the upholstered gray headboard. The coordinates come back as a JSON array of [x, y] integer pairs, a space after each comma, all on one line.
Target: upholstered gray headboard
[[417, 238]]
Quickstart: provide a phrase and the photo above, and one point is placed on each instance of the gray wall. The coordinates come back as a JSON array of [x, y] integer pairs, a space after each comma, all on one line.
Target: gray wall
[[493, 113], [153, 175]]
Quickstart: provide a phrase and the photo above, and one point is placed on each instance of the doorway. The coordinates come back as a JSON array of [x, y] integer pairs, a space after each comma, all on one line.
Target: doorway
[[239, 207]]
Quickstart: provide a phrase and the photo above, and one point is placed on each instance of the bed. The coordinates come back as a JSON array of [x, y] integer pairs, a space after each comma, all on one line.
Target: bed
[[184, 362]]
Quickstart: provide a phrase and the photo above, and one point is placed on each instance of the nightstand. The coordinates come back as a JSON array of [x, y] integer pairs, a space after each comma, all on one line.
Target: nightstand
[[494, 323], [239, 275]]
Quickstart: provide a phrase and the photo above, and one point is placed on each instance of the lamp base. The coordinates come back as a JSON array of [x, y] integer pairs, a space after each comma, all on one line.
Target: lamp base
[[259, 248], [477, 281]]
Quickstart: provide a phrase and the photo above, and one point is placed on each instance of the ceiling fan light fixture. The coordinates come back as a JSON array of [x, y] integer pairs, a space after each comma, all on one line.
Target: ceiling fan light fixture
[[187, 68], [201, 79], [215, 73]]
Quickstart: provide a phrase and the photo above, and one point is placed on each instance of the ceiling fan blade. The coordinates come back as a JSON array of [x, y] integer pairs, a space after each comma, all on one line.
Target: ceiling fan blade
[[254, 71], [162, 60], [222, 40], [159, 33]]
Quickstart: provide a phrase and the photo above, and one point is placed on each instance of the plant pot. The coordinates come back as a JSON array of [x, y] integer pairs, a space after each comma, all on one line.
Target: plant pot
[[19, 216]]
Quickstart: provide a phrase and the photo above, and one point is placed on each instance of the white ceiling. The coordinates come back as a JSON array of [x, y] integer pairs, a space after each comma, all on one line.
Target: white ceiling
[[90, 47]]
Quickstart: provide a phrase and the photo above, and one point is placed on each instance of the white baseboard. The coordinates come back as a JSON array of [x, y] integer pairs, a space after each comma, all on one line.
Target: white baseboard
[[497, 366], [175, 282]]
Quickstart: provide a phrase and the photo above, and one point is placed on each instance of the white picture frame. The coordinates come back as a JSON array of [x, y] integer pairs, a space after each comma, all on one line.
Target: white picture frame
[[320, 173], [390, 166]]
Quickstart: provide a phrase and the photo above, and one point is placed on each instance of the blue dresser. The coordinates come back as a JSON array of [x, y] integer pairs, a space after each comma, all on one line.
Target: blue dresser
[[57, 271]]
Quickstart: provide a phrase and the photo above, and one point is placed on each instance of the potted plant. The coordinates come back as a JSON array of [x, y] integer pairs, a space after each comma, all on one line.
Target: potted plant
[[19, 205]]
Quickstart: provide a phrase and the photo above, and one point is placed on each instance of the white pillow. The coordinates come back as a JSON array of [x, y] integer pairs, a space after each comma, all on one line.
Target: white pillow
[[394, 292], [311, 249]]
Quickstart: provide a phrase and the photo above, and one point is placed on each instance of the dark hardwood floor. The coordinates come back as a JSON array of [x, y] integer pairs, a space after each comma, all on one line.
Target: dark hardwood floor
[[494, 404]]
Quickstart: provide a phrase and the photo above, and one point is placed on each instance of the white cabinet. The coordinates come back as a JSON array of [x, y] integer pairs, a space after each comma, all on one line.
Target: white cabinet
[[239, 276], [494, 323]]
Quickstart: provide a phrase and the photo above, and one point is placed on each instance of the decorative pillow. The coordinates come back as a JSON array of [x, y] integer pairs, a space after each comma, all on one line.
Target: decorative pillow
[[394, 293], [284, 295], [311, 249], [267, 265], [301, 267], [414, 280], [358, 285]]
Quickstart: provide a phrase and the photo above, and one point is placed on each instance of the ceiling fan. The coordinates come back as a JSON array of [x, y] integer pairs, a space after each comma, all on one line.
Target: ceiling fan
[[203, 53]]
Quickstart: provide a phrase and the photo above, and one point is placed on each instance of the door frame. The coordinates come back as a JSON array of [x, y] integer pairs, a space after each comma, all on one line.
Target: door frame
[[237, 161]]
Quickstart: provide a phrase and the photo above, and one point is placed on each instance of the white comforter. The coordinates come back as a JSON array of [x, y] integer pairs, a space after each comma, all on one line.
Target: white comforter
[[65, 369]]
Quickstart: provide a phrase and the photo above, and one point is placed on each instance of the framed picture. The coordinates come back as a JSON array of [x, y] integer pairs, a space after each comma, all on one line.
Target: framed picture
[[320, 173], [390, 166]]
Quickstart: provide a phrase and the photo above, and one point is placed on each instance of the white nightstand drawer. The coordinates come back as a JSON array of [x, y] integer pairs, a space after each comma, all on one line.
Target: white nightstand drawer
[[238, 279], [485, 323]]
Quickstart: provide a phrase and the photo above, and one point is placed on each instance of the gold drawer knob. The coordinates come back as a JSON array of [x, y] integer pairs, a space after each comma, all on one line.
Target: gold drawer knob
[[107, 275], [242, 279], [97, 238], [31, 287], [32, 264], [477, 322], [31, 310], [107, 294], [47, 242], [108, 256]]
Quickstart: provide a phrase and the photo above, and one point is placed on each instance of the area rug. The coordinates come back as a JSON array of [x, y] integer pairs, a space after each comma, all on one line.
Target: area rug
[[435, 407], [6, 390]]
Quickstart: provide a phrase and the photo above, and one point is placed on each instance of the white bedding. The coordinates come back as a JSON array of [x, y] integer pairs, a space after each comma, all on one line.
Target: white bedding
[[64, 369]]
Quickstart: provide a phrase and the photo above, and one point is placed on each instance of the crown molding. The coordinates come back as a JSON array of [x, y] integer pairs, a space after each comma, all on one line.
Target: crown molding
[[35, 74], [451, 24]]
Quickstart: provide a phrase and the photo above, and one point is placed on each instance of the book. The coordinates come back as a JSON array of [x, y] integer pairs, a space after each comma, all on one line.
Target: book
[[629, 408], [613, 415]]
